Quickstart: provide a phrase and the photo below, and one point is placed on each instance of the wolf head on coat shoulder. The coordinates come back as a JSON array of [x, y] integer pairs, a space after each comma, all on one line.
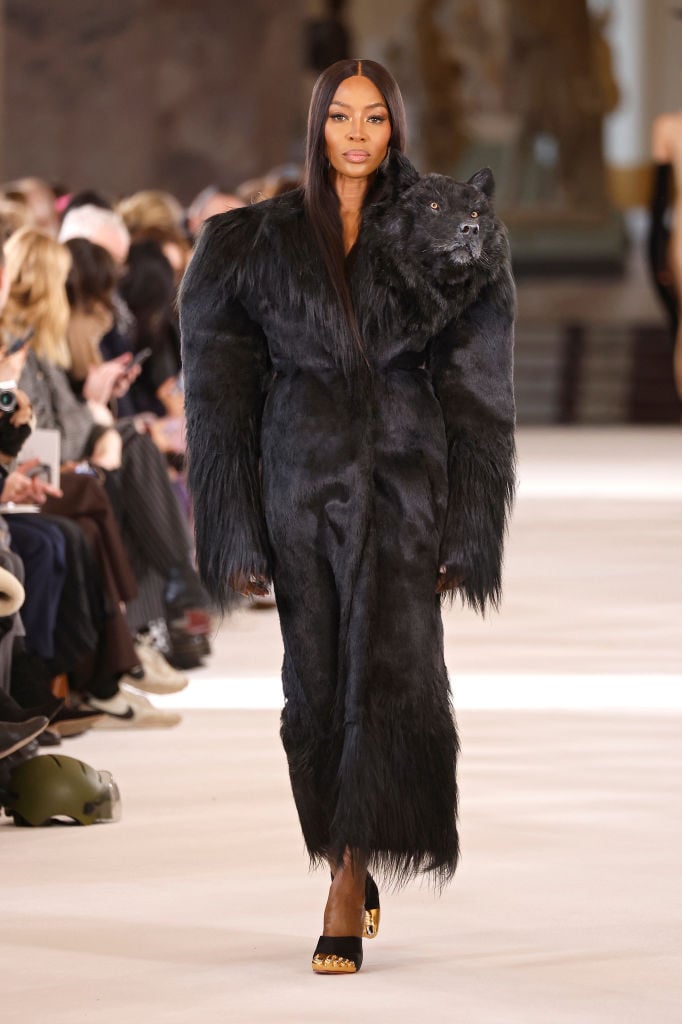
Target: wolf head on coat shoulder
[[448, 228]]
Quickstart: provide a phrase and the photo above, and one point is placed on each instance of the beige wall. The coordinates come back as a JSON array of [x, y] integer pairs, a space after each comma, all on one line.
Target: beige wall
[[179, 93], [175, 93]]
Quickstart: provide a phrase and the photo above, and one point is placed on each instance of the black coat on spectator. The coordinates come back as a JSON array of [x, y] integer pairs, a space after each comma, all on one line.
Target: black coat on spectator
[[350, 476]]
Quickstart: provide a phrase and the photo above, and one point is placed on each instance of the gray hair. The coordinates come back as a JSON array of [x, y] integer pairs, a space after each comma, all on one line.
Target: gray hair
[[88, 221]]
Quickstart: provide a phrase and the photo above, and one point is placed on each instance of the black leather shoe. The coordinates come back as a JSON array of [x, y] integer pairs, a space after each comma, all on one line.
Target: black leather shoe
[[12, 711], [184, 590], [187, 651], [49, 738], [74, 721], [15, 735]]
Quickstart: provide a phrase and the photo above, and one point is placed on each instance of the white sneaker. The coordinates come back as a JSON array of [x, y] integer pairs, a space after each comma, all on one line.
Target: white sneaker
[[159, 676], [129, 710]]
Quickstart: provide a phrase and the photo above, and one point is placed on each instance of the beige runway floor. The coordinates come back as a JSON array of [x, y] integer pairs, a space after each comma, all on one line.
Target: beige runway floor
[[567, 907]]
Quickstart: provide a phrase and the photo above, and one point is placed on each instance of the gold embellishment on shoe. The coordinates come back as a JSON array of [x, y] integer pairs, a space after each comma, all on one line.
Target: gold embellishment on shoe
[[332, 964], [371, 928]]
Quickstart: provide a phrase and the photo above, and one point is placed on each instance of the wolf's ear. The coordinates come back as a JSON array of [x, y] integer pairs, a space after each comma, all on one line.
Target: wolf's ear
[[483, 180]]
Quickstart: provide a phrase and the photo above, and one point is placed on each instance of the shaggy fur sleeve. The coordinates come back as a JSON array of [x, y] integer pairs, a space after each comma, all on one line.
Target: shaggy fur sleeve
[[472, 364], [225, 367]]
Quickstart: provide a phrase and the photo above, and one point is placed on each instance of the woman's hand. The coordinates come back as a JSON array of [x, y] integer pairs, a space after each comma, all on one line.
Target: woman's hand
[[101, 382], [23, 413], [20, 488], [125, 381], [254, 583], [448, 579], [172, 396]]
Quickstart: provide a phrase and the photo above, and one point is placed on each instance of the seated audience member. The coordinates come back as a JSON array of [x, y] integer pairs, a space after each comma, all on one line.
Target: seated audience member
[[105, 229], [40, 198], [148, 289], [208, 203], [49, 555], [283, 178], [151, 209], [152, 288], [14, 214], [37, 268], [101, 226], [86, 197], [90, 289], [156, 537]]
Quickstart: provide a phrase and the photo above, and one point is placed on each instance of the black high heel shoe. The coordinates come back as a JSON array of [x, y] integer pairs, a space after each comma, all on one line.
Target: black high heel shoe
[[337, 954]]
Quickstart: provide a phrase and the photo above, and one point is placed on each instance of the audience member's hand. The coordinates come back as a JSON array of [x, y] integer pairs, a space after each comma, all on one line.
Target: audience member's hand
[[20, 488], [23, 413], [101, 380], [172, 397], [125, 381], [168, 433]]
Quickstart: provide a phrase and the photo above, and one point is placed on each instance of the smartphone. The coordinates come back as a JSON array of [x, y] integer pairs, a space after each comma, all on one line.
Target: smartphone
[[18, 343], [141, 357], [42, 471]]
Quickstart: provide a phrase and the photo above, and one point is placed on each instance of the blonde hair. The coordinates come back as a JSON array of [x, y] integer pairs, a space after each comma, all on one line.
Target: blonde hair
[[151, 208], [37, 267]]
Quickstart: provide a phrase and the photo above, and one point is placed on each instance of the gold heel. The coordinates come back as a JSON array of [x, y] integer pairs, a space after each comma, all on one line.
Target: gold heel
[[371, 928], [372, 909]]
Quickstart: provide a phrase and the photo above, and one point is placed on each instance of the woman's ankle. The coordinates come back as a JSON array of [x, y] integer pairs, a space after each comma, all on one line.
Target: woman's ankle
[[344, 911]]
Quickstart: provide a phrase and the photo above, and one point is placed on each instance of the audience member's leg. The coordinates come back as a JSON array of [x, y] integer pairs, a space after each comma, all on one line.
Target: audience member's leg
[[42, 551], [81, 609], [155, 532]]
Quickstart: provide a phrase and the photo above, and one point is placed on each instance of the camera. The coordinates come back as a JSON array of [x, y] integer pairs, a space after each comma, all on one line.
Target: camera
[[8, 401]]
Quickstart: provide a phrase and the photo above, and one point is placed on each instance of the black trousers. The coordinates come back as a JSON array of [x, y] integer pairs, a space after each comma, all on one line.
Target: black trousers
[[42, 549], [153, 527]]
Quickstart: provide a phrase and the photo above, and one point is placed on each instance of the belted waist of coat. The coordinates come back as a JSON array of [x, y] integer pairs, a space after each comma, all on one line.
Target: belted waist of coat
[[403, 361], [294, 370]]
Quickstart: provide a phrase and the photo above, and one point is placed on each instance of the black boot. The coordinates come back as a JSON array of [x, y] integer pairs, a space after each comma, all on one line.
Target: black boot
[[184, 590]]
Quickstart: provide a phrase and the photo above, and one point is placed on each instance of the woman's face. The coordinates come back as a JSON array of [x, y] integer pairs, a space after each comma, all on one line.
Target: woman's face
[[358, 128]]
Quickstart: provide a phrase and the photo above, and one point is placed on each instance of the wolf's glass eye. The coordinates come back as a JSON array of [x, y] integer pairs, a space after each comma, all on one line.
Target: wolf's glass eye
[[435, 206], [474, 214]]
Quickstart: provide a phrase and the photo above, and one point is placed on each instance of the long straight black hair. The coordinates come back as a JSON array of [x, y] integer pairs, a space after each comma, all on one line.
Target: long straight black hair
[[320, 199]]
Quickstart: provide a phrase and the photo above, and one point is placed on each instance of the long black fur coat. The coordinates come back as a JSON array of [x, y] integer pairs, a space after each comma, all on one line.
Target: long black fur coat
[[349, 479]]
